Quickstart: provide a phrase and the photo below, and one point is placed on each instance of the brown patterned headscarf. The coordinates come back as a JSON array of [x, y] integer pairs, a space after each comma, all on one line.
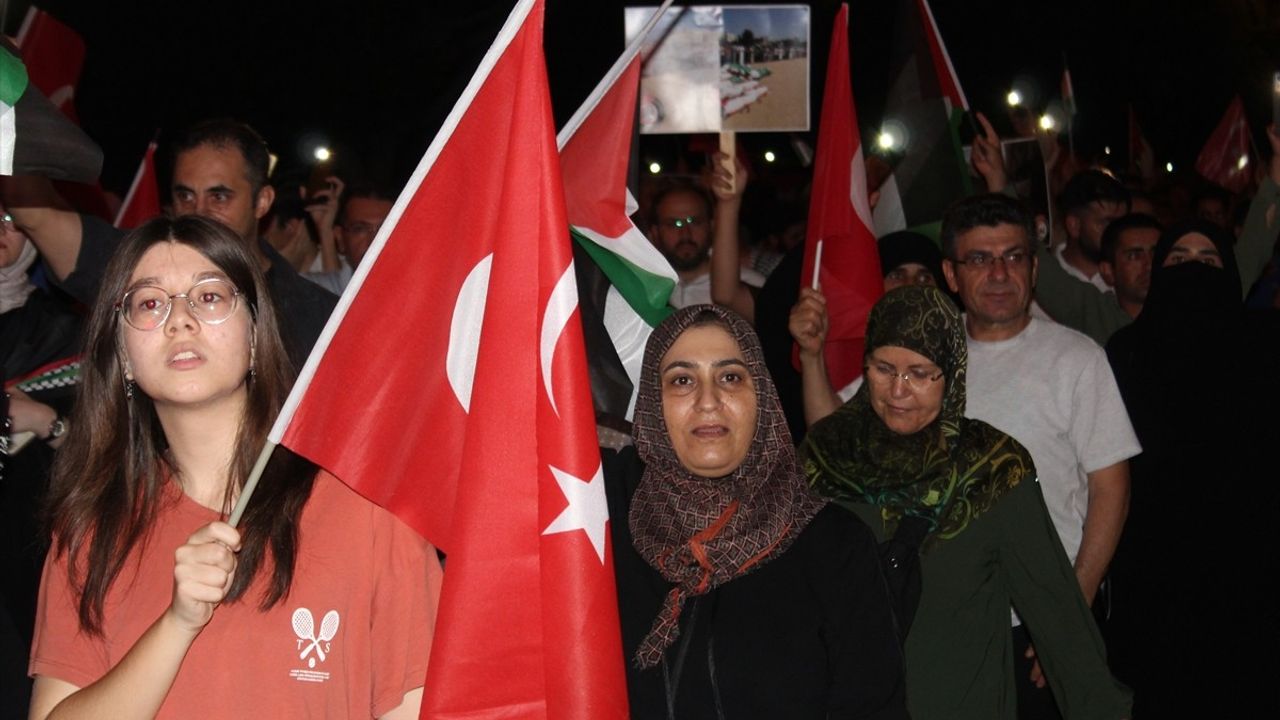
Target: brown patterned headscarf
[[700, 533]]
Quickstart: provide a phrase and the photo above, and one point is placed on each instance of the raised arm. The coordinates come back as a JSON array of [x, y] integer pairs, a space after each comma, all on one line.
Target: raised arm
[[727, 288], [42, 214], [808, 325], [1258, 237], [987, 157], [324, 214], [136, 687]]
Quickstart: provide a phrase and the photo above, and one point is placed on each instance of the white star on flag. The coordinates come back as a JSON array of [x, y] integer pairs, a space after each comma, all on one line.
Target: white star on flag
[[588, 510]]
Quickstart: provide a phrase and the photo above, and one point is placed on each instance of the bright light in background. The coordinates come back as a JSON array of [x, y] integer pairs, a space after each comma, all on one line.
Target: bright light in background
[[886, 140], [1244, 160], [769, 156], [654, 168], [1168, 167], [1014, 98], [1106, 150], [322, 153], [1047, 122]]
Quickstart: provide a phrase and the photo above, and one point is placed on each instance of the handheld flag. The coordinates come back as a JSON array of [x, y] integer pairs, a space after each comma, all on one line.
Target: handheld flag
[[35, 139], [840, 219], [1225, 159], [450, 387], [925, 108], [595, 146], [54, 54], [142, 202]]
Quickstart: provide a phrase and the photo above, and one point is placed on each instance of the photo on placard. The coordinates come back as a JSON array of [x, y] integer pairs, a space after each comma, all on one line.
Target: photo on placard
[[764, 68], [708, 68]]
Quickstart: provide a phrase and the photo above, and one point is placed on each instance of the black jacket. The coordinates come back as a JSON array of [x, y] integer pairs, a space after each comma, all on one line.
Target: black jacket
[[809, 634]]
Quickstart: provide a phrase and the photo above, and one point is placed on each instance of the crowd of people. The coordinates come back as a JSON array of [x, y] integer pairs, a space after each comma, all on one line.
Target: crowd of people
[[1045, 496]]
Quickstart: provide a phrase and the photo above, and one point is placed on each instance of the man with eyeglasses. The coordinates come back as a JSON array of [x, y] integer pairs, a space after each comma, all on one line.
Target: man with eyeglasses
[[220, 171], [683, 228], [1046, 385]]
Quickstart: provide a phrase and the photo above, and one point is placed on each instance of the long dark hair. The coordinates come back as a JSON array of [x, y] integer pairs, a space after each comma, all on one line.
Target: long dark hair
[[108, 478]]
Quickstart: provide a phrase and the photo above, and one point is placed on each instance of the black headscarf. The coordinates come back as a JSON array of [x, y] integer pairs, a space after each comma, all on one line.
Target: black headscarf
[[947, 473], [697, 532], [1193, 323], [904, 246], [1190, 290]]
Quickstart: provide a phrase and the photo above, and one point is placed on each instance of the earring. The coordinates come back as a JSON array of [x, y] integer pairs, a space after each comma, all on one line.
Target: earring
[[128, 389], [253, 355]]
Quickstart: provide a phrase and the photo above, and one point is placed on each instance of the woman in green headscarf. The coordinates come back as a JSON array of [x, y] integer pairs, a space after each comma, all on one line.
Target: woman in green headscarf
[[902, 454]]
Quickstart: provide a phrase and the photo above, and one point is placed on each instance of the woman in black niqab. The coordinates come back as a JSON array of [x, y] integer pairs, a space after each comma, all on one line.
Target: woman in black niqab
[[1193, 626]]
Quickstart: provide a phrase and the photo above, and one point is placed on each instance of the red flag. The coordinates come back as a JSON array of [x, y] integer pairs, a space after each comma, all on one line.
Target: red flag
[[840, 217], [450, 386], [1225, 158], [54, 55], [143, 199]]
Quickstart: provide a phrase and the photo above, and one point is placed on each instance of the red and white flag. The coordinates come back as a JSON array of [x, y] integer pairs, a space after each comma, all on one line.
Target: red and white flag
[[840, 219], [450, 386], [54, 55], [142, 202], [1225, 158]]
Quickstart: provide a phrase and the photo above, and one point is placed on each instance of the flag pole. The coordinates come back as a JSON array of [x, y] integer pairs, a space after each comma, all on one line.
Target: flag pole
[[817, 265], [251, 483]]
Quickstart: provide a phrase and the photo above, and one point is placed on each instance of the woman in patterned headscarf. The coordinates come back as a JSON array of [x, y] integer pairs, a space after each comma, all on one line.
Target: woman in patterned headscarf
[[741, 594], [901, 453]]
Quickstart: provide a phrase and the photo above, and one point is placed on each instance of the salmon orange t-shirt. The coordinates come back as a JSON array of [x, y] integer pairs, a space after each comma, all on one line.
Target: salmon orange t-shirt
[[350, 639]]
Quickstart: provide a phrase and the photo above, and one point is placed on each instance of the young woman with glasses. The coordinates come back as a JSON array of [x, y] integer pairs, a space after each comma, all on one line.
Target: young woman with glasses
[[320, 603]]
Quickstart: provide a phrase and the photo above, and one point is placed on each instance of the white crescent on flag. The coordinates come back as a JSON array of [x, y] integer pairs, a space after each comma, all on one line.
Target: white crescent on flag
[[560, 307], [464, 331]]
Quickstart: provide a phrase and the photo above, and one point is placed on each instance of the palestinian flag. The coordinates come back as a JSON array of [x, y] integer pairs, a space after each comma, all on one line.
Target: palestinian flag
[[13, 83], [631, 297], [925, 108], [35, 137], [63, 373]]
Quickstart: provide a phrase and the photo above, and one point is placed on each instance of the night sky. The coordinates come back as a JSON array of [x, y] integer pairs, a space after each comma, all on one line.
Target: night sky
[[376, 78]]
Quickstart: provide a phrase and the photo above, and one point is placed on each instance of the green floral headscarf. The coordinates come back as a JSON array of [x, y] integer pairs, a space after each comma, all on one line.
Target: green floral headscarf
[[948, 473]]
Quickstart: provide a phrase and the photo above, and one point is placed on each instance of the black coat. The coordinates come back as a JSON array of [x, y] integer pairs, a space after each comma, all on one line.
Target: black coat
[[809, 634]]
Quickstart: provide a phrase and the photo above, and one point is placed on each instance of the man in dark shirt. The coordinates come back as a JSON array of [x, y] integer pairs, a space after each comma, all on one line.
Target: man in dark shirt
[[219, 172]]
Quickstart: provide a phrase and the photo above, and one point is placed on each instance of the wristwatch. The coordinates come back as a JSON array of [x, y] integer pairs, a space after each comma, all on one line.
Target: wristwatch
[[57, 428]]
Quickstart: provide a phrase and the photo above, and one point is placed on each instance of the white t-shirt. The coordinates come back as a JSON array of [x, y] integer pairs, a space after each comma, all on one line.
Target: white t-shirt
[[1074, 272], [1052, 389], [335, 281], [698, 290]]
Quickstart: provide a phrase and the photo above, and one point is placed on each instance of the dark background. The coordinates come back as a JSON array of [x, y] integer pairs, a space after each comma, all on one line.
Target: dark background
[[374, 79]]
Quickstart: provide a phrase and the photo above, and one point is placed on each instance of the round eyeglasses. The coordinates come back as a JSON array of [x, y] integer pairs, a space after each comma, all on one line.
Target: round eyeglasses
[[917, 378], [147, 307]]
